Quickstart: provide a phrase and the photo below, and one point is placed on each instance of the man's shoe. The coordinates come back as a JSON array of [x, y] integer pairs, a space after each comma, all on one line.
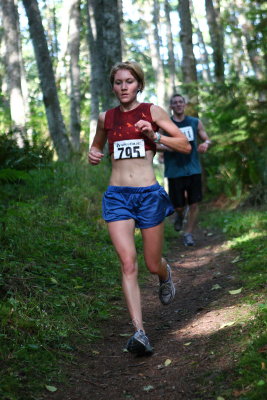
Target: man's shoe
[[178, 222], [188, 239], [167, 289], [139, 344]]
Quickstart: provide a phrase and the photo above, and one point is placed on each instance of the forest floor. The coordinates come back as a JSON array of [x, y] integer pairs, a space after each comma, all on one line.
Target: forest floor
[[194, 338]]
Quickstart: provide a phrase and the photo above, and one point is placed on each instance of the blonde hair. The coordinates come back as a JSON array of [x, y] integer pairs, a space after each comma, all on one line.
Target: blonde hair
[[131, 66]]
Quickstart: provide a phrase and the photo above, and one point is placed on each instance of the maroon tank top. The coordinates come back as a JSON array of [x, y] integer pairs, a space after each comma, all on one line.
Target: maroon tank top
[[121, 125]]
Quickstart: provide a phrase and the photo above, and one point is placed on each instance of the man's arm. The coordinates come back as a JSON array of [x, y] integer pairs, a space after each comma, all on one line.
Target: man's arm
[[203, 147]]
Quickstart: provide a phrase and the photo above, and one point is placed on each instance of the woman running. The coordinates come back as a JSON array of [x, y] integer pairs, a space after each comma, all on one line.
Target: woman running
[[133, 197]]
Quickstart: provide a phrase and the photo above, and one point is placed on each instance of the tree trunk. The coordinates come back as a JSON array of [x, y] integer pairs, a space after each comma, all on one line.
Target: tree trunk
[[123, 41], [13, 64], [47, 79], [171, 58], [151, 13], [216, 36], [202, 47], [111, 47], [96, 71], [247, 30], [74, 52], [188, 61], [104, 41]]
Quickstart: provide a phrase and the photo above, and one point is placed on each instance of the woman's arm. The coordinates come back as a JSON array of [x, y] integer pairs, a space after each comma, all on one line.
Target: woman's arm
[[95, 154], [176, 139]]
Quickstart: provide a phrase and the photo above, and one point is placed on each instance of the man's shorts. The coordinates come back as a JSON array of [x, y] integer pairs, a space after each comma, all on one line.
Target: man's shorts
[[148, 206], [190, 184]]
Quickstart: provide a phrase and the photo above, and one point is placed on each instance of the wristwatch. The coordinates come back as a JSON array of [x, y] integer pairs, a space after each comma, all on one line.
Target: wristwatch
[[158, 137], [207, 141]]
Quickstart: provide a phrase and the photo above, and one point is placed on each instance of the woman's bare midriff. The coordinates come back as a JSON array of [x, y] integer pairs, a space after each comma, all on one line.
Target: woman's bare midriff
[[135, 172]]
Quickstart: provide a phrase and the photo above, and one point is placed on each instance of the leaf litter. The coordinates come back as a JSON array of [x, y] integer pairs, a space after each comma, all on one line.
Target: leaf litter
[[197, 312]]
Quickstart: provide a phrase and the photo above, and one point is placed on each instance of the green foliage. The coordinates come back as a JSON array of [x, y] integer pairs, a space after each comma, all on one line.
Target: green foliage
[[247, 233], [236, 122], [25, 157], [59, 274], [252, 379]]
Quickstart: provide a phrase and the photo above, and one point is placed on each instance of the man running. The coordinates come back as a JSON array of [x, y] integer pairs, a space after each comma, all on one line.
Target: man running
[[184, 170]]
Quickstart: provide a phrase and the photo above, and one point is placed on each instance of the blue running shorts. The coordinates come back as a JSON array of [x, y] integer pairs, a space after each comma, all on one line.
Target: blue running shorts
[[148, 206]]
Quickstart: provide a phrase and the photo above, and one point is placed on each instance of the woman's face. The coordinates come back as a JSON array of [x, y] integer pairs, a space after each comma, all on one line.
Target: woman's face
[[125, 86]]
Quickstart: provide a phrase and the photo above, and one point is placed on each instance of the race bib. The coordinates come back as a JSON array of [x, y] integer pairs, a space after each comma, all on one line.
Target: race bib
[[188, 132], [134, 148]]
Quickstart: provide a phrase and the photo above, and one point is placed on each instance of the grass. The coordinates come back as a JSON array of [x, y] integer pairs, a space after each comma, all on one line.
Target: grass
[[246, 231], [59, 277], [59, 274]]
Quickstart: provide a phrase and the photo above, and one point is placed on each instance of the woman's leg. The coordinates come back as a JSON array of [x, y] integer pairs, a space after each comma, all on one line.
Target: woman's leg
[[153, 242], [122, 236]]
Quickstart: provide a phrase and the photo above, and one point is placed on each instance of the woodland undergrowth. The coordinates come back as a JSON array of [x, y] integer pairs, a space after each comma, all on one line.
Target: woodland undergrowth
[[59, 277]]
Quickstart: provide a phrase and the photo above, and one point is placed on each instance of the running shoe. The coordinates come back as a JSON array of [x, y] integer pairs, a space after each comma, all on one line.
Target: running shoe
[[188, 239], [178, 222], [139, 344], [167, 289]]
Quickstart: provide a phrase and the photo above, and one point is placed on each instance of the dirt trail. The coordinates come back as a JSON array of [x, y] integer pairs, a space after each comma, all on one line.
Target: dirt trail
[[192, 337]]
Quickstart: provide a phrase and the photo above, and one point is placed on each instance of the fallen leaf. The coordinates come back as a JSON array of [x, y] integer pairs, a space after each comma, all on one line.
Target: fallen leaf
[[51, 388], [238, 393], [187, 344], [95, 352], [54, 281], [167, 362], [263, 365], [209, 234], [220, 398], [227, 324], [125, 334], [216, 287], [148, 388], [237, 291], [235, 260], [263, 349]]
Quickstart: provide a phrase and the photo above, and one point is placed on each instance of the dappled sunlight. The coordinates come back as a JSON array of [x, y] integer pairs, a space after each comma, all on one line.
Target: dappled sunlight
[[214, 321], [246, 237], [202, 257]]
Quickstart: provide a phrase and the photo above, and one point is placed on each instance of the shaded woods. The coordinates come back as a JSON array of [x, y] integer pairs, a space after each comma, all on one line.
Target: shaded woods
[[53, 90], [58, 273]]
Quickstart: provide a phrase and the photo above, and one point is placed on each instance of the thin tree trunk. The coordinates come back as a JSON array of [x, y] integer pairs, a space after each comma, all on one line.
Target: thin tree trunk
[[62, 66], [247, 39], [13, 63], [47, 80], [95, 71], [104, 40], [123, 42], [216, 36], [111, 47], [75, 96], [171, 58], [151, 12], [202, 47], [188, 61]]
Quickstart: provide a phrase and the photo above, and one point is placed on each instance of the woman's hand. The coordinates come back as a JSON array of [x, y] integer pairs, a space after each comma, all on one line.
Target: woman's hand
[[94, 156], [146, 128]]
